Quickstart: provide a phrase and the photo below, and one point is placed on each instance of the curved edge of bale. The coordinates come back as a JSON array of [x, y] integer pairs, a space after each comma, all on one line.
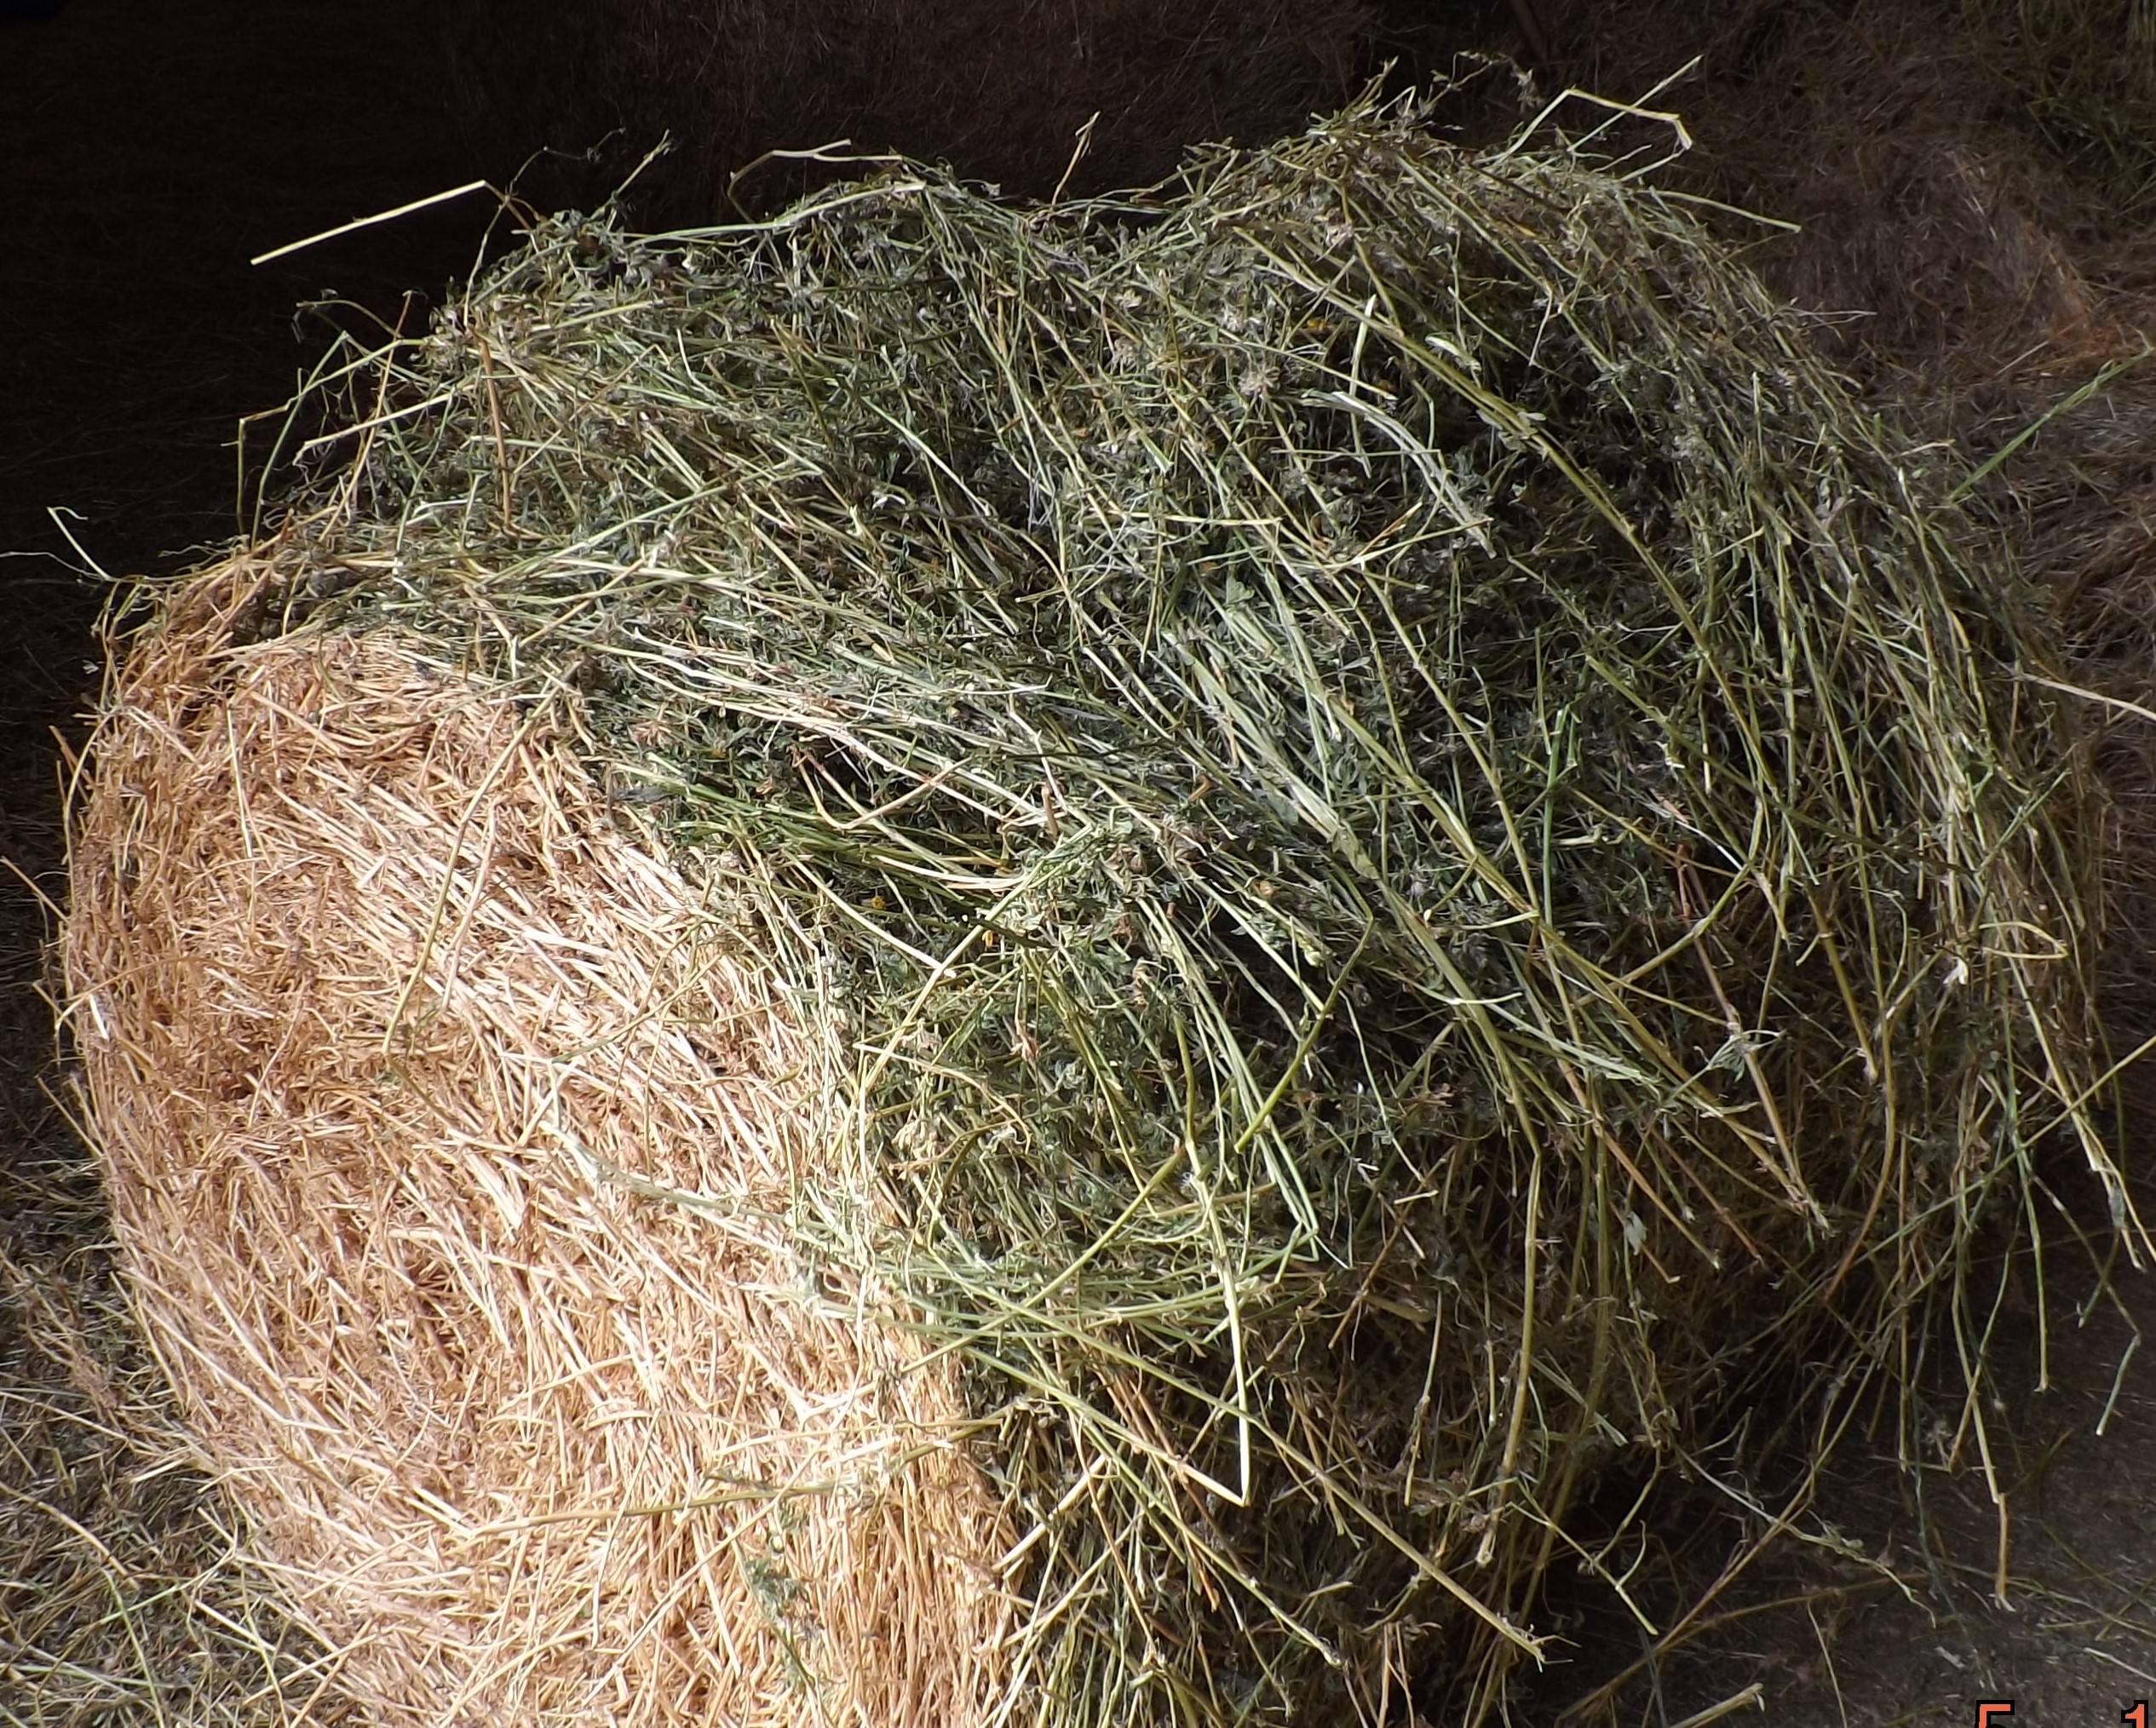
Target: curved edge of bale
[[452, 1143]]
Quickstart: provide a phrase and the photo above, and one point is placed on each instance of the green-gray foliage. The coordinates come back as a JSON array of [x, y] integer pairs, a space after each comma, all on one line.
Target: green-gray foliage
[[1424, 846]]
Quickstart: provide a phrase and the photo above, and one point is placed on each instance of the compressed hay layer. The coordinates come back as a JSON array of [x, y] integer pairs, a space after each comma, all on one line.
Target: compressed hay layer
[[1411, 855], [453, 1161]]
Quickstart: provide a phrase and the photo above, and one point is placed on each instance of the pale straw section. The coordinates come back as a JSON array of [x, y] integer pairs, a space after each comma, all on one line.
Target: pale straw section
[[452, 1144]]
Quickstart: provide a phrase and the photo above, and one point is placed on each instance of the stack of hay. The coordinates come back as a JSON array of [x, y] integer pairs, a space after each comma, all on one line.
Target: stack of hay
[[936, 963]]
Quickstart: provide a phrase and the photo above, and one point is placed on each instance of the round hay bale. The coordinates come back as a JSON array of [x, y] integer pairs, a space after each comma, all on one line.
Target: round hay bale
[[453, 1161], [1359, 850]]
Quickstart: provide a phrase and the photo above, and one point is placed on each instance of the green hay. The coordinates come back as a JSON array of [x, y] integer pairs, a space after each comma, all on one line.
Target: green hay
[[1432, 851]]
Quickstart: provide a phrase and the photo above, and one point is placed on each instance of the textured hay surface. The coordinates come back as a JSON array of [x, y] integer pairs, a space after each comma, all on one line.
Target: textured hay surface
[[390, 1040], [1972, 180], [1409, 862]]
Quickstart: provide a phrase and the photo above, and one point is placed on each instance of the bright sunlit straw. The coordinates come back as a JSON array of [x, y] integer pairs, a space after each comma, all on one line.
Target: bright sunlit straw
[[353, 227]]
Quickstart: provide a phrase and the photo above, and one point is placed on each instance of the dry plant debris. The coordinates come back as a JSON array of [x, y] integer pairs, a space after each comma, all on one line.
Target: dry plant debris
[[1365, 849], [454, 1170]]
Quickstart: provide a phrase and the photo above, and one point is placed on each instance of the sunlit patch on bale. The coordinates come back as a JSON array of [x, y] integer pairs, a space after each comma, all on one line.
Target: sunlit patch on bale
[[452, 1148], [1359, 850]]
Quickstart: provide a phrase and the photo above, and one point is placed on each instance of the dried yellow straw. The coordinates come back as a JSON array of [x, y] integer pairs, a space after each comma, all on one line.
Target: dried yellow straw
[[452, 1146]]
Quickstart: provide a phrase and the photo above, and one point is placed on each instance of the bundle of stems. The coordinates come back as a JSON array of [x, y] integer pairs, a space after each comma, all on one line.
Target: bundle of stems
[[1433, 858]]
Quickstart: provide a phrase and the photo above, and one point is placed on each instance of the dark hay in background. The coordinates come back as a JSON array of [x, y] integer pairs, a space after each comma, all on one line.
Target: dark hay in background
[[1438, 862], [1969, 177]]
